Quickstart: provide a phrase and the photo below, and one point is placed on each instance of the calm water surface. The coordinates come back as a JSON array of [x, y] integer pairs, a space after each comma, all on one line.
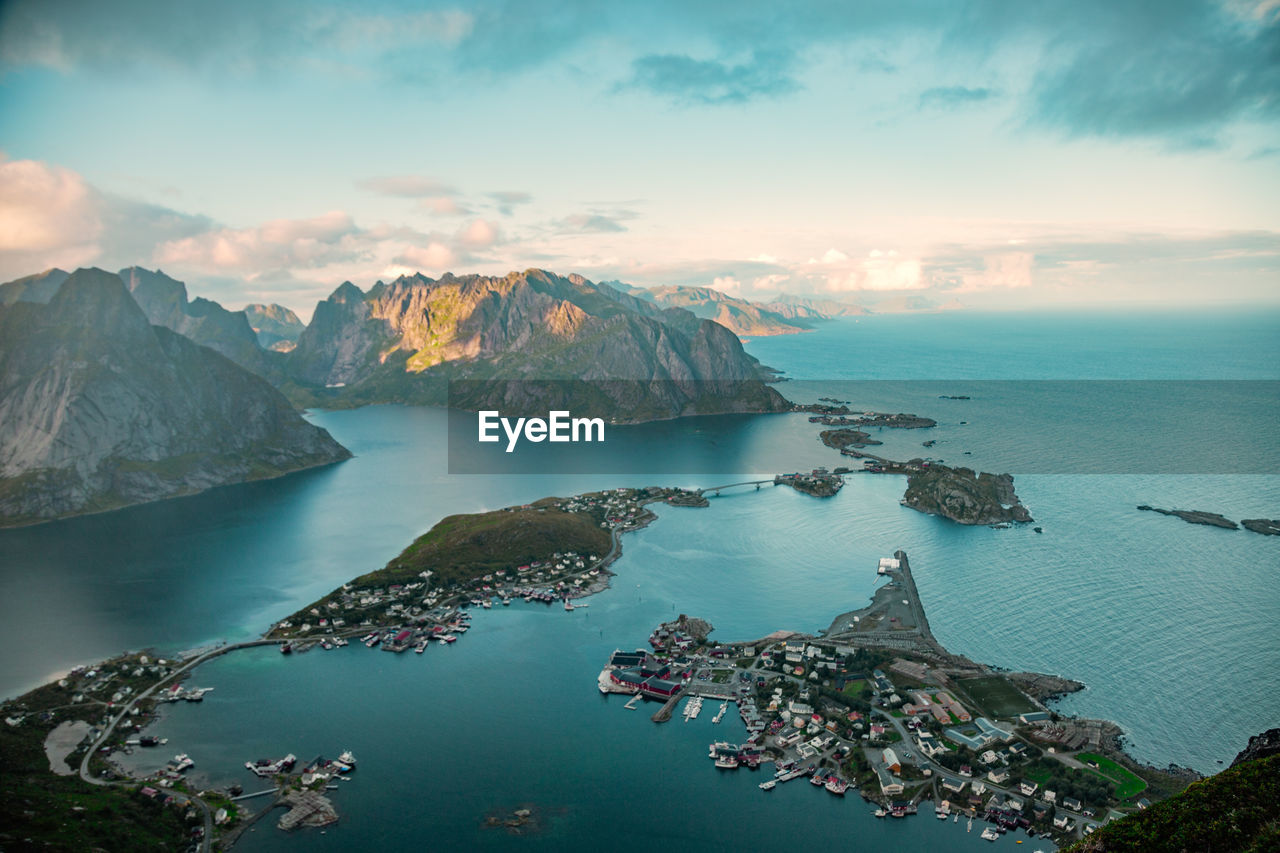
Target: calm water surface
[[1168, 624]]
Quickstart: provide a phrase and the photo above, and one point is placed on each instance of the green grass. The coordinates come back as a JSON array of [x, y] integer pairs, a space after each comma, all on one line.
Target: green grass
[[1128, 783], [997, 696], [463, 547], [1234, 810], [854, 688]]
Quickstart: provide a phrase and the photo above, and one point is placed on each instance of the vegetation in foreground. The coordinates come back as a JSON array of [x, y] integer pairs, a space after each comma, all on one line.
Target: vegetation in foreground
[[1234, 810]]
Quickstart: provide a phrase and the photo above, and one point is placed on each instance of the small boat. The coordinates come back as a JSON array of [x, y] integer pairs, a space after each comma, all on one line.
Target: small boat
[[769, 786], [881, 812], [955, 818], [568, 605], [347, 758], [970, 827], [990, 834], [487, 604], [287, 648]]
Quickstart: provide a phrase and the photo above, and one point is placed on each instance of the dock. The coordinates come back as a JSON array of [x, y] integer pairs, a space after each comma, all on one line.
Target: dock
[[664, 713]]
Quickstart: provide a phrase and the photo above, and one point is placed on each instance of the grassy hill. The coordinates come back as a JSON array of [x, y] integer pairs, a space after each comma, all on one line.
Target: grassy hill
[[463, 547], [1234, 810]]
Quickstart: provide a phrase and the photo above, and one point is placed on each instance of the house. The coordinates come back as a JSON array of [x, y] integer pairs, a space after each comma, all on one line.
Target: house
[[998, 776], [954, 785], [1062, 821], [929, 744], [1050, 796], [1027, 787], [966, 770], [1072, 804], [890, 759]]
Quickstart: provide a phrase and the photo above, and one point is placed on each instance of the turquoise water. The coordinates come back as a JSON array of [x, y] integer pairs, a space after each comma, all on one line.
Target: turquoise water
[[1170, 625]]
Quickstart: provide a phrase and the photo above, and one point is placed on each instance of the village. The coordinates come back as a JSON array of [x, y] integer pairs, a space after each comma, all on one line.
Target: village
[[898, 723]]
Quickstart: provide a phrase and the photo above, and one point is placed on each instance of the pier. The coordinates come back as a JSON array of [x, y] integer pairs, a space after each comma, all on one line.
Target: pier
[[664, 713]]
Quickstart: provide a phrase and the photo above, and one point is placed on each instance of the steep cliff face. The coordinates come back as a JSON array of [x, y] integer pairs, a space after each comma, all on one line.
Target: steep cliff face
[[402, 341], [964, 496], [100, 409], [164, 301], [33, 288], [276, 326]]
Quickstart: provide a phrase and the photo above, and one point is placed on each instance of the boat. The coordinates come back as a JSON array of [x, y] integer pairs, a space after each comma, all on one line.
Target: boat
[[568, 605], [724, 706], [881, 812], [347, 758], [990, 834], [286, 648], [487, 604], [955, 818], [421, 647], [836, 785], [181, 762], [727, 761], [769, 786], [506, 602], [970, 827]]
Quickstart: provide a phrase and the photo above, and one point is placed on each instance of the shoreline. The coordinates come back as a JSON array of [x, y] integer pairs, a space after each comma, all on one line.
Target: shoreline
[[920, 640]]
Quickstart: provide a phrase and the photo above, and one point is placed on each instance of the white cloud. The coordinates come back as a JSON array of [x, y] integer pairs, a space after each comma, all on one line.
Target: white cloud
[[276, 245], [1006, 270], [434, 257], [478, 234], [50, 216], [727, 284]]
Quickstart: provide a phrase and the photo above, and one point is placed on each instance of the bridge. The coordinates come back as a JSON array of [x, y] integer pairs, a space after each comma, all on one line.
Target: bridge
[[757, 483]]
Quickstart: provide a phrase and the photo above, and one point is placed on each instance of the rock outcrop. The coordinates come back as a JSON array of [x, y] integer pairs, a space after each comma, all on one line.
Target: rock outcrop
[[164, 301], [962, 495], [99, 409]]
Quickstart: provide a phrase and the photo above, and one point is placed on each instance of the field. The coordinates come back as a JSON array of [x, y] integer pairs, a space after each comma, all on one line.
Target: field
[[1128, 784], [854, 688], [997, 697]]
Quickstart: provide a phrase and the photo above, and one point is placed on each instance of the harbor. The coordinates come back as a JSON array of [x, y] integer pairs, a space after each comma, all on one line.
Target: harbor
[[809, 712]]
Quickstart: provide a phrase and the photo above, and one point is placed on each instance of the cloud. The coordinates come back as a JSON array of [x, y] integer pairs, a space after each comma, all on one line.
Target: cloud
[[727, 284], [954, 96], [1179, 73], [768, 73], [508, 200], [434, 257], [281, 244], [478, 234], [50, 216], [1008, 270], [1182, 71], [590, 223]]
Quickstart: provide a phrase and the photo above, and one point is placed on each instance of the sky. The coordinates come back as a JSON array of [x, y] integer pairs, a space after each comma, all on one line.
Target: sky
[[998, 154]]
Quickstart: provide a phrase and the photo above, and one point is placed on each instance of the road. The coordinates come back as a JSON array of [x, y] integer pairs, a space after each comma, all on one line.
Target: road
[[87, 776]]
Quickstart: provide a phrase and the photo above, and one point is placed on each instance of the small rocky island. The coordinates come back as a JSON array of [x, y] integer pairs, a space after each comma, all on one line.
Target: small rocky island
[[1265, 526], [963, 495], [839, 439], [1193, 516]]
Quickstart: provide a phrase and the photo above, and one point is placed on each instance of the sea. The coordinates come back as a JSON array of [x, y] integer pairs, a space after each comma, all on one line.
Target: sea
[[1169, 625]]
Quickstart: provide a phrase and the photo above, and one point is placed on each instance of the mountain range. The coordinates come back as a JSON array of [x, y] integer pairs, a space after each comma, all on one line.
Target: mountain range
[[631, 359], [100, 408]]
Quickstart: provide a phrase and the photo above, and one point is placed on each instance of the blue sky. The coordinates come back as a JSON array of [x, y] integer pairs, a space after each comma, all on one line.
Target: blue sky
[[1003, 154]]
